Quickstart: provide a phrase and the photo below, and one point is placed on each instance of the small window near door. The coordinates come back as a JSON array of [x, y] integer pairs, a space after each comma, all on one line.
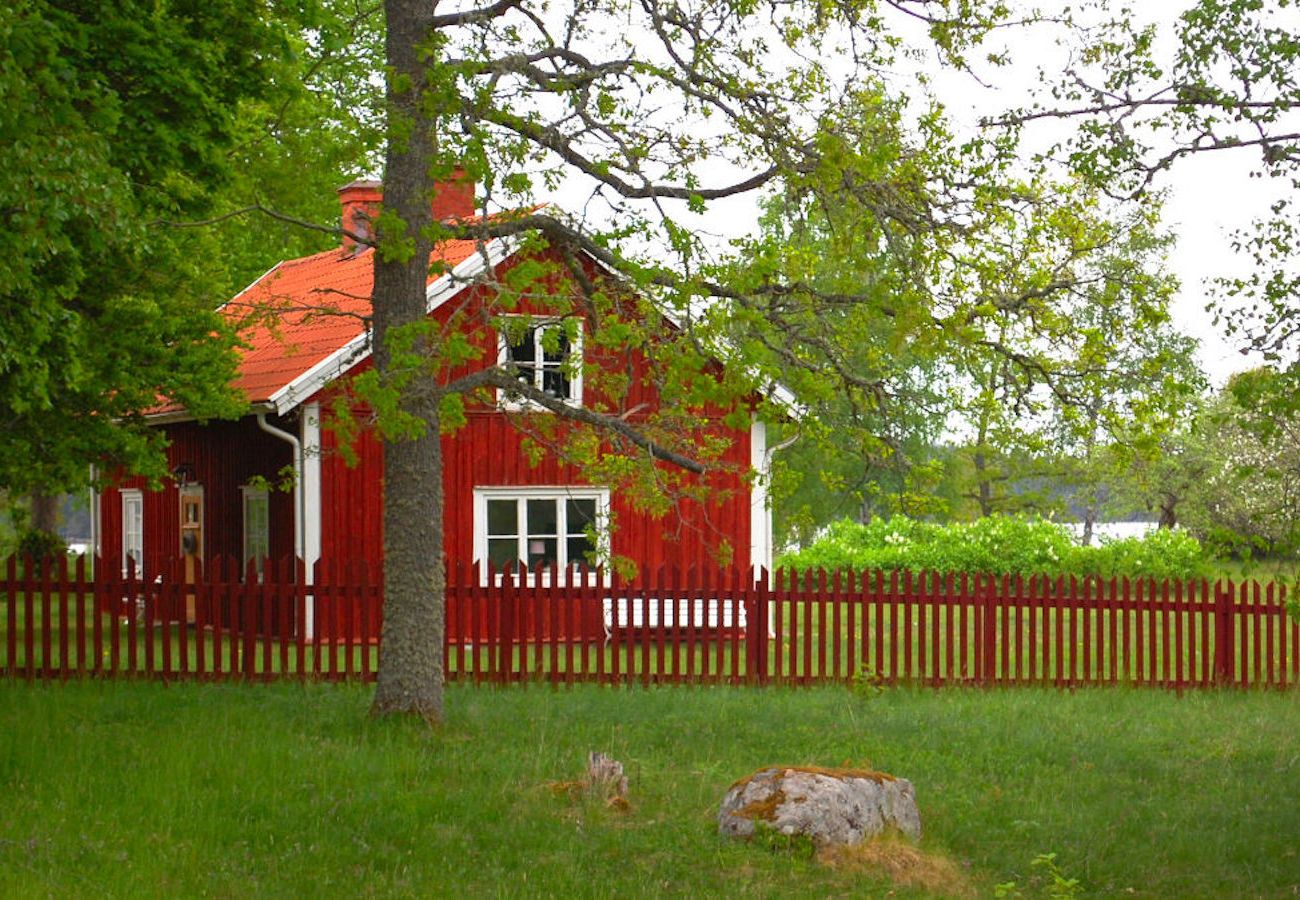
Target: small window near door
[[257, 529], [133, 532]]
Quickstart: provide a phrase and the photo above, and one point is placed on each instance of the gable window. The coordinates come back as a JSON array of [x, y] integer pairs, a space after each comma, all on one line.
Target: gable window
[[544, 354], [133, 531], [257, 529], [559, 526]]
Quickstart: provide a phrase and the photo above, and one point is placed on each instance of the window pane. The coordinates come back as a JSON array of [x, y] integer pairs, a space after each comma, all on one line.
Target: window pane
[[502, 517], [555, 383], [503, 552], [555, 345], [581, 551], [524, 353], [133, 532], [256, 530], [542, 550], [542, 517], [581, 513]]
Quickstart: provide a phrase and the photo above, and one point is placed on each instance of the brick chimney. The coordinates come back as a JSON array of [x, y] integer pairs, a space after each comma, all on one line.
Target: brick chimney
[[360, 201], [452, 199]]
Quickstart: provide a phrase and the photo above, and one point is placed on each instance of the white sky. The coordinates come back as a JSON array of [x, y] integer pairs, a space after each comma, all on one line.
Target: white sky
[[1209, 198]]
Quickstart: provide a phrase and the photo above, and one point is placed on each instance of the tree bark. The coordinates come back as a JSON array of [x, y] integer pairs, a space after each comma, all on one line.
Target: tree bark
[[1168, 511], [410, 660], [1089, 524], [1092, 508], [983, 480]]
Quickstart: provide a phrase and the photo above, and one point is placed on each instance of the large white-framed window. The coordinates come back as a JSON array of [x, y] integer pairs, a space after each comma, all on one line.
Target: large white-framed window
[[545, 354], [559, 526], [257, 529], [133, 530]]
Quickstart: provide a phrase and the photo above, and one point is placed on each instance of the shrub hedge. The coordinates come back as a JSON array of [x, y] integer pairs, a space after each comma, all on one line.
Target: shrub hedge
[[998, 545]]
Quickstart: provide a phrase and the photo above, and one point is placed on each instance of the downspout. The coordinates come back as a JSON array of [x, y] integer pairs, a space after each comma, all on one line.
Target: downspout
[[768, 455], [94, 519], [299, 513], [761, 504], [784, 445], [299, 519]]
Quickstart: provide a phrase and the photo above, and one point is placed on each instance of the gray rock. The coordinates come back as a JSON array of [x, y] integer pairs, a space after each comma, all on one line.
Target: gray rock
[[832, 806]]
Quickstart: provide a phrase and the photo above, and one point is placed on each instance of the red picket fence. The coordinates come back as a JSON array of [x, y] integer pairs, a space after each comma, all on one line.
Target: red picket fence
[[717, 626], [213, 622]]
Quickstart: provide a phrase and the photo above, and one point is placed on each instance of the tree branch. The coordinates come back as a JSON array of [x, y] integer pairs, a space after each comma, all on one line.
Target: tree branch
[[278, 216], [474, 16], [495, 377], [558, 143]]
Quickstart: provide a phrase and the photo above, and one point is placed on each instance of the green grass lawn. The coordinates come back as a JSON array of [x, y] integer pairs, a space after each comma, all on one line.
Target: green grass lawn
[[140, 789]]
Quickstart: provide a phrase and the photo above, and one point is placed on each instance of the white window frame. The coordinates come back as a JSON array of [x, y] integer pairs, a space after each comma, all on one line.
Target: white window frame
[[571, 366], [133, 530], [557, 493], [253, 495]]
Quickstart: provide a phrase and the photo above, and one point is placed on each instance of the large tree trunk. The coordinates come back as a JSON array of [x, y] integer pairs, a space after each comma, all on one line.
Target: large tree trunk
[[411, 655], [410, 658]]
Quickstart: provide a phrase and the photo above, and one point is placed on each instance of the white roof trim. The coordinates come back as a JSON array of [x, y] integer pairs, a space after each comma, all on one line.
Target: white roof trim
[[252, 284], [783, 397], [482, 260]]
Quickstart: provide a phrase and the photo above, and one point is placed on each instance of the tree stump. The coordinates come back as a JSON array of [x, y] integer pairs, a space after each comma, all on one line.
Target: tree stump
[[606, 779]]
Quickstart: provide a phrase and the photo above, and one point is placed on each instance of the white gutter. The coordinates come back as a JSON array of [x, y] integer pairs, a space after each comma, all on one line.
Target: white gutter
[[94, 517], [761, 539], [299, 517]]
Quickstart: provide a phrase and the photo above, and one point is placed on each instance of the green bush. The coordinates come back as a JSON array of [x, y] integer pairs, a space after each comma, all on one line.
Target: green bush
[[41, 545], [1000, 545]]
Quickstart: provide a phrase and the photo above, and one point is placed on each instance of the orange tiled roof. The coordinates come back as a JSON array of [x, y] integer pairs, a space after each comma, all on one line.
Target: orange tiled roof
[[303, 310]]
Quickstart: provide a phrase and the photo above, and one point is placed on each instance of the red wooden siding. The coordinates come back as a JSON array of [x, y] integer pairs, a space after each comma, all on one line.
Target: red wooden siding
[[352, 502], [222, 457], [487, 453]]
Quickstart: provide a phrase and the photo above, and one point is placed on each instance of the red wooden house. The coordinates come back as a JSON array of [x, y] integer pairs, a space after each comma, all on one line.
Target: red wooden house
[[499, 506]]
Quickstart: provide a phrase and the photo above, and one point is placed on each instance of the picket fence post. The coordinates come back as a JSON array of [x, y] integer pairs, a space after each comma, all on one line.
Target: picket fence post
[[1224, 642]]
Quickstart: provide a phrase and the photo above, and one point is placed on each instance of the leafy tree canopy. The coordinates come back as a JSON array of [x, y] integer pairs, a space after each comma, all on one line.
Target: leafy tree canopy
[[1235, 472], [114, 120], [1030, 328]]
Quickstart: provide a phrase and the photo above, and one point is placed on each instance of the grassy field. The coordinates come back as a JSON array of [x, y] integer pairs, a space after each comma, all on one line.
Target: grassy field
[[144, 790]]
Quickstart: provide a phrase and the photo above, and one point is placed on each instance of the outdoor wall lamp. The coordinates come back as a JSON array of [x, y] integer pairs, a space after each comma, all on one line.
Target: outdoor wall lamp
[[183, 474]]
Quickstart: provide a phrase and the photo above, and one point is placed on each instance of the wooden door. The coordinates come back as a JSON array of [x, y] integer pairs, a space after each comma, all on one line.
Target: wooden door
[[191, 540]]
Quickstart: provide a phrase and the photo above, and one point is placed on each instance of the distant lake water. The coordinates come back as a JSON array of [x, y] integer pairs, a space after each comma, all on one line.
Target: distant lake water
[[1112, 530]]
